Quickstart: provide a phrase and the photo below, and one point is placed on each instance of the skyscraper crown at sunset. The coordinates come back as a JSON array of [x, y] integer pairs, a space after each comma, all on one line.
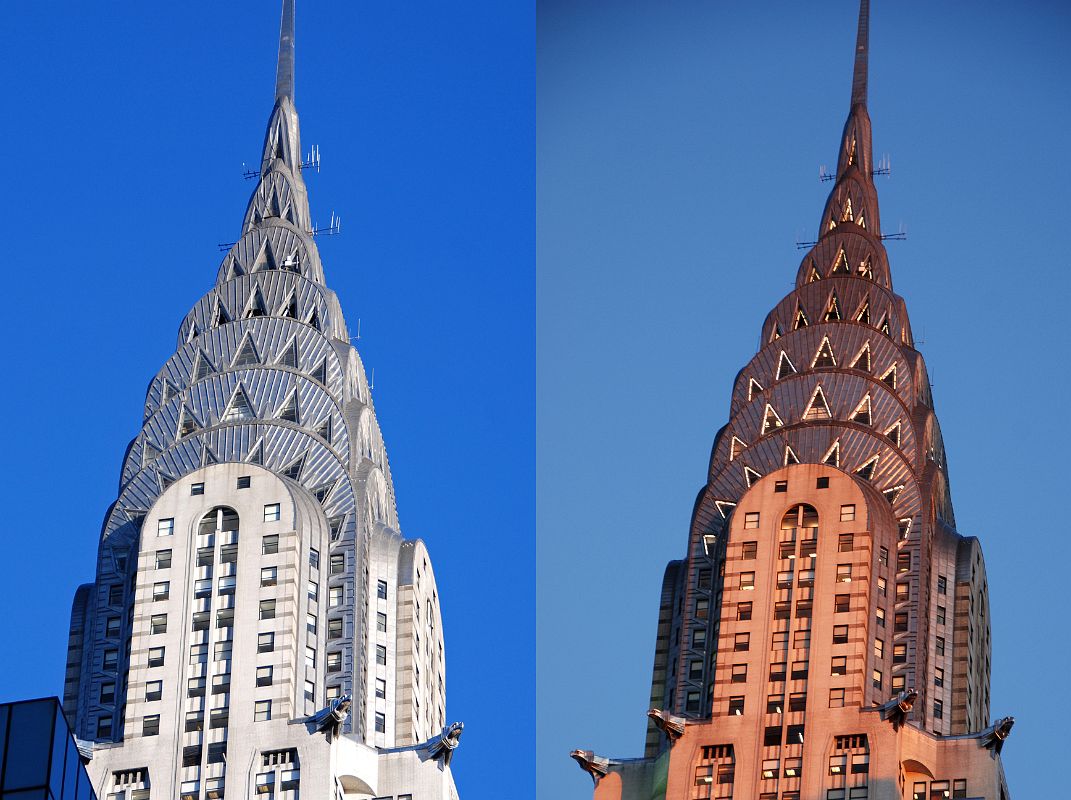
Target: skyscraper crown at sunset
[[826, 636]]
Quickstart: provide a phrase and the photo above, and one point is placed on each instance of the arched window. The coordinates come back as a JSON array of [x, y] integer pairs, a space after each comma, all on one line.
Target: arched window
[[219, 519], [801, 516]]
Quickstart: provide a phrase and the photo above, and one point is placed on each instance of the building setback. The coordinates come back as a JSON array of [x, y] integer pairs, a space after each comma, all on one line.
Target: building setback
[[827, 635], [258, 625]]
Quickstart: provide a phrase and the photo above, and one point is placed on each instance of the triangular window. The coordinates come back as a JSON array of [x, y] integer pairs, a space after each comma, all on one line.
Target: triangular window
[[813, 276], [208, 457], [239, 407], [149, 454], [256, 305], [736, 447], [784, 366], [862, 360], [314, 319], [291, 308], [790, 456], [832, 456], [846, 214], [904, 528], [323, 493], [165, 481], [865, 269], [824, 357], [833, 312], [751, 476], [889, 378], [832, 222], [770, 420], [235, 270], [294, 470], [188, 423], [336, 524], [320, 373], [892, 494], [776, 333], [862, 412], [851, 153], [193, 333], [861, 220], [202, 367], [289, 411], [265, 258], [800, 320], [817, 408], [753, 388], [883, 326], [222, 317], [866, 472], [247, 354], [289, 356], [169, 391], [725, 507], [863, 314], [840, 264], [323, 430], [256, 455], [894, 433]]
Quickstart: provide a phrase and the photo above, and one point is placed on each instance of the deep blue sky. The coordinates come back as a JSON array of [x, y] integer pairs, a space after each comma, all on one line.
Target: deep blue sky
[[125, 128], [678, 149]]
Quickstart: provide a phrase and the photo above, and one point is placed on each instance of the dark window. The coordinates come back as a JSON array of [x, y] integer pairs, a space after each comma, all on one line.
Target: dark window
[[265, 642], [736, 705], [778, 670], [244, 482], [942, 584], [794, 734], [381, 723], [840, 634], [772, 736], [780, 486], [749, 550], [743, 611], [150, 726], [822, 483], [381, 590], [845, 543], [900, 622], [163, 559], [797, 701], [775, 704], [270, 544], [842, 602], [799, 670]]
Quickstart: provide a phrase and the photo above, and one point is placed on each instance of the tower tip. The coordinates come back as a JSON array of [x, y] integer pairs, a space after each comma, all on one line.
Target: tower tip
[[284, 75], [862, 52]]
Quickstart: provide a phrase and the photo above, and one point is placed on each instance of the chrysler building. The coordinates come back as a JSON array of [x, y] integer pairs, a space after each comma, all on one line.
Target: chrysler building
[[258, 626], [826, 636]]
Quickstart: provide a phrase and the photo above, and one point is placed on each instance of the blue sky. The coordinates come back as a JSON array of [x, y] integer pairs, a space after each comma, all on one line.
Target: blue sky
[[678, 149], [126, 125]]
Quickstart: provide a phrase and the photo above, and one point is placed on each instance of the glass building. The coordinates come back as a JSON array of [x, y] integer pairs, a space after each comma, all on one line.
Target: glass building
[[38, 755]]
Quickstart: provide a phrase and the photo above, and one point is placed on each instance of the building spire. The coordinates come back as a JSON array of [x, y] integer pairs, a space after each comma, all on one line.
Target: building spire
[[284, 75], [862, 51]]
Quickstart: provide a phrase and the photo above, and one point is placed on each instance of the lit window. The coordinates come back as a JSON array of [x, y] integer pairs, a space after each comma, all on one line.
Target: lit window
[[847, 513], [879, 648], [751, 519], [836, 698], [262, 710], [165, 527], [264, 676], [839, 665], [156, 656], [197, 488], [898, 683], [267, 609], [838, 764], [903, 562], [770, 768], [903, 592], [265, 642], [154, 690], [150, 726], [793, 768], [158, 623]]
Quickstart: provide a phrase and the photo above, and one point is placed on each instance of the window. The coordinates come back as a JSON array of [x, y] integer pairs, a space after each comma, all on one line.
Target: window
[[195, 687], [158, 624], [156, 656], [381, 723], [844, 573], [334, 628], [899, 654], [270, 544], [793, 768], [939, 677], [699, 637], [165, 527], [782, 609], [741, 642], [903, 592], [104, 728], [269, 576], [244, 481], [218, 718], [839, 665], [314, 558], [262, 711], [775, 704], [336, 596], [794, 734], [822, 483], [836, 698], [310, 657], [154, 690], [903, 562], [314, 591], [942, 584], [940, 615], [784, 579], [747, 580], [801, 638], [842, 602], [770, 768], [736, 706], [115, 595], [111, 627], [845, 543], [799, 670], [381, 654], [806, 577], [150, 725], [743, 611], [264, 676], [691, 702], [898, 683], [940, 645], [840, 634], [310, 623], [876, 678], [161, 590], [228, 554], [749, 551], [751, 520], [267, 609], [265, 642], [900, 622], [381, 688], [778, 671], [938, 709], [787, 550], [381, 590], [804, 608], [221, 684], [879, 648], [959, 788], [883, 556], [780, 486], [222, 651], [739, 673], [107, 692], [163, 559], [847, 513], [338, 564], [196, 489], [198, 653], [880, 617], [780, 640], [772, 736], [838, 765], [272, 512], [797, 701], [882, 587]]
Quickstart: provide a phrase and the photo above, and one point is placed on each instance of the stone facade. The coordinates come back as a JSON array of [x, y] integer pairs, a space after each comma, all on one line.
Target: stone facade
[[258, 625], [827, 635]]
